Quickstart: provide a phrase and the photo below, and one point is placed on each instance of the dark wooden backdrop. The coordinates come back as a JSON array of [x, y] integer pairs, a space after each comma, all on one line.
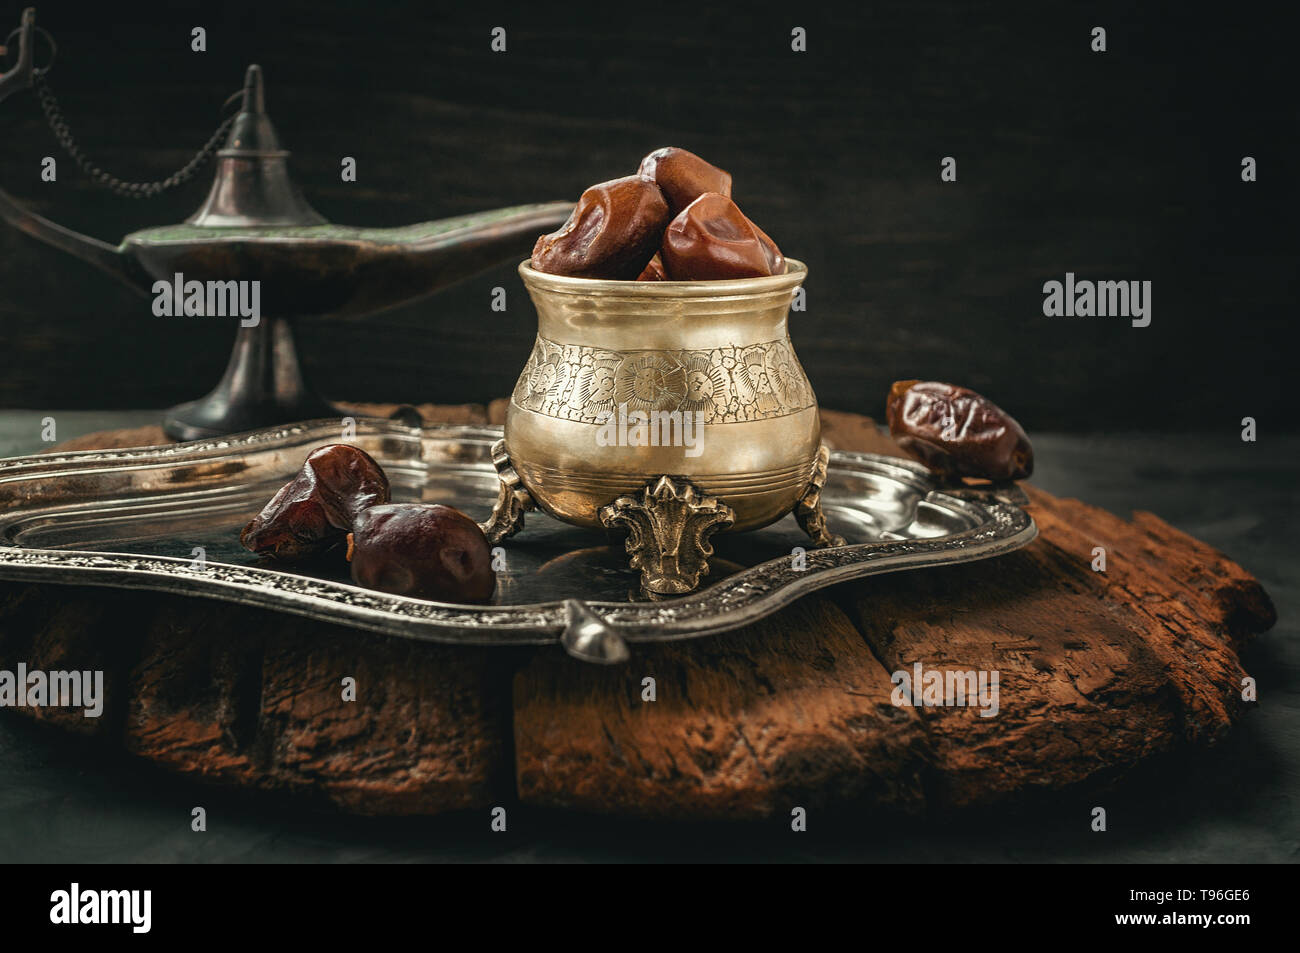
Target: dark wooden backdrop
[[1122, 165]]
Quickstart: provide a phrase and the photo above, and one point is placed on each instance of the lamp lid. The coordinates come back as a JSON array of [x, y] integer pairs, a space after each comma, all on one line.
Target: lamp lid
[[252, 186]]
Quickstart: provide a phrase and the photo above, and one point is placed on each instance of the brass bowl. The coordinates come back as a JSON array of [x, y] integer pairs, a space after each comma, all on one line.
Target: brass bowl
[[680, 401]]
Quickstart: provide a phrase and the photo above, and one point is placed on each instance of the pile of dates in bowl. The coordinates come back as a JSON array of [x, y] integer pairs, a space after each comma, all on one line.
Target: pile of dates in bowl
[[673, 221], [660, 304]]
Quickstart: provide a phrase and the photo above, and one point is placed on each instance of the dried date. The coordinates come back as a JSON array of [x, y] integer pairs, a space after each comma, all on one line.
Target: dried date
[[956, 432], [314, 511], [424, 550]]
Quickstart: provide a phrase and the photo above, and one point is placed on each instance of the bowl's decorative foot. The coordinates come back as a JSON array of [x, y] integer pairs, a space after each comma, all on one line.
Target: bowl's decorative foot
[[513, 499], [668, 526], [808, 510]]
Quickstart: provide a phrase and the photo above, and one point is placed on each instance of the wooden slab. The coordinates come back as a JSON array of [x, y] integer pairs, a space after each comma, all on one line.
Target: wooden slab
[[786, 712], [251, 698], [1096, 672]]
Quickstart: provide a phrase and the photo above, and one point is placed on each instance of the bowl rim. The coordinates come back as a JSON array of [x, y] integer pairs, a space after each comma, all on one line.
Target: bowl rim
[[796, 272]]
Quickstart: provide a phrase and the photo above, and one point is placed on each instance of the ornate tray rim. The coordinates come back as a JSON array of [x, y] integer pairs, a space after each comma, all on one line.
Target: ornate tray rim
[[593, 630]]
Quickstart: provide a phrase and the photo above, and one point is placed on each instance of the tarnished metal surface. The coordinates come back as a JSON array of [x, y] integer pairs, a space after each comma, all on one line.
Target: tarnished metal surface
[[138, 518], [256, 227]]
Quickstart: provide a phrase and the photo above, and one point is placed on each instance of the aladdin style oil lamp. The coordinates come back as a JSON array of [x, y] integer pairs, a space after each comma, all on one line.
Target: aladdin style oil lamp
[[256, 226]]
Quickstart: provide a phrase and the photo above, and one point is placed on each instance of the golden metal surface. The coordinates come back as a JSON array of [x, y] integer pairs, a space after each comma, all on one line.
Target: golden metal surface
[[709, 364], [808, 509], [669, 525], [513, 501]]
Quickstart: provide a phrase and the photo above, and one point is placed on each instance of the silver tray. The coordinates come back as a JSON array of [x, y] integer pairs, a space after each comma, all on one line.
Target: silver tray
[[134, 518]]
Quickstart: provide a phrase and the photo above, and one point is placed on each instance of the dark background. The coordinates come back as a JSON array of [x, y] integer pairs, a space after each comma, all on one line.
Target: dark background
[[1122, 165], [1116, 165]]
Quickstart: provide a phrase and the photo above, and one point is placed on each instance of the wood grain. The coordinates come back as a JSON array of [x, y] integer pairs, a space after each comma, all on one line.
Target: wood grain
[[243, 697], [1123, 165], [791, 711], [1097, 671]]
